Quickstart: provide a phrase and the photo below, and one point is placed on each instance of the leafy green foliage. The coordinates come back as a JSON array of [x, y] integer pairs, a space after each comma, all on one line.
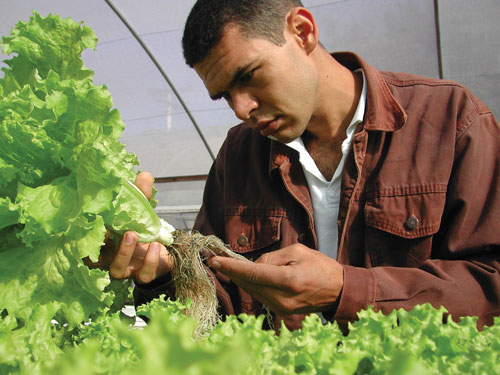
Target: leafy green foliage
[[63, 175], [414, 342], [63, 181], [62, 168]]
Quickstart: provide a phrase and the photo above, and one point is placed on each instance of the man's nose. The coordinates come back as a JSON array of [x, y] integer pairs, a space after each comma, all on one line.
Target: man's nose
[[243, 103]]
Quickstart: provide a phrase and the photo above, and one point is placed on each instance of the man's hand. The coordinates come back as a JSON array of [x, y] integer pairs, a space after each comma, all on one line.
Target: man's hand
[[143, 262], [292, 280]]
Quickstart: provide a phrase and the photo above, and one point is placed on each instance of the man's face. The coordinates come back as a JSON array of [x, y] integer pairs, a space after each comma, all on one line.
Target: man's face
[[271, 88]]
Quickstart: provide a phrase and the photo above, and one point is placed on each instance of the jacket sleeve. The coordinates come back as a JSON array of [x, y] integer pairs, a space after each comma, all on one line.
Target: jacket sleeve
[[463, 271]]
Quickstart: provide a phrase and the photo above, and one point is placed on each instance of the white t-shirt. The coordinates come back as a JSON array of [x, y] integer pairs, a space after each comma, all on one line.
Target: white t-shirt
[[325, 194]]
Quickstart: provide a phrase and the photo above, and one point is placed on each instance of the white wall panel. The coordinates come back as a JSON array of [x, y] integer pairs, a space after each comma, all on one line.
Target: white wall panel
[[167, 146], [396, 35], [470, 44], [167, 49], [215, 125], [314, 3], [137, 87], [152, 16]]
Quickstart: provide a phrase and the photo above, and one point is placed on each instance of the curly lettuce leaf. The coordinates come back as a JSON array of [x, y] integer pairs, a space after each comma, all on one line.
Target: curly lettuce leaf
[[43, 45], [52, 272], [403, 343], [24, 348], [8, 213], [61, 169], [165, 346]]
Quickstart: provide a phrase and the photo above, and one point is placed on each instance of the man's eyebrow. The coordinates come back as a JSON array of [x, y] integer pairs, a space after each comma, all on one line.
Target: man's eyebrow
[[240, 72]]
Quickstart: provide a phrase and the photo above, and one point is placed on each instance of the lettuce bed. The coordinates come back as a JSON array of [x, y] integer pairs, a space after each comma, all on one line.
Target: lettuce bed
[[62, 178], [402, 343]]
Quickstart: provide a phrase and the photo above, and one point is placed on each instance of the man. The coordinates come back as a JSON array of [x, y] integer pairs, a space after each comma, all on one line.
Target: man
[[393, 177]]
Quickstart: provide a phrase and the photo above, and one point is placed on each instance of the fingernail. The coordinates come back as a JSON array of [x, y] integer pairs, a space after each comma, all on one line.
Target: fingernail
[[215, 264], [155, 246], [129, 238]]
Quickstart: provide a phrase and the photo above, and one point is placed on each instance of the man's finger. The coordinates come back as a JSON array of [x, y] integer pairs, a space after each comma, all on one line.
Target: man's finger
[[248, 272], [147, 273], [277, 258], [118, 268], [144, 181]]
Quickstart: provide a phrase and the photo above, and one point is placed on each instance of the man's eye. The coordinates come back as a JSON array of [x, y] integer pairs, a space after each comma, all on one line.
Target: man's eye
[[247, 77]]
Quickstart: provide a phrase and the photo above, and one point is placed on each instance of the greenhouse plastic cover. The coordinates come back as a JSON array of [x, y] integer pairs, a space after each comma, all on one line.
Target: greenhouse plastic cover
[[173, 126]]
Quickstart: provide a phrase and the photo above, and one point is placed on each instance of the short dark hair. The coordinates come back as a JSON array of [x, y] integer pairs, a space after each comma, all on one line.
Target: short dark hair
[[256, 18]]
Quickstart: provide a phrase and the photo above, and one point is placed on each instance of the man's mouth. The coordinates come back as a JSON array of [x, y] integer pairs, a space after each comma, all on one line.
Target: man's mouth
[[267, 127]]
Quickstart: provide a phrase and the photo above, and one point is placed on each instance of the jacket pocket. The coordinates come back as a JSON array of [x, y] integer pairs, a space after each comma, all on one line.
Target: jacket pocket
[[253, 229], [401, 224], [251, 232]]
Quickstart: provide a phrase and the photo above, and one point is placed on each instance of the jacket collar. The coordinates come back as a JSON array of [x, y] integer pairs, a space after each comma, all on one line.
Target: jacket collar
[[382, 113], [280, 154]]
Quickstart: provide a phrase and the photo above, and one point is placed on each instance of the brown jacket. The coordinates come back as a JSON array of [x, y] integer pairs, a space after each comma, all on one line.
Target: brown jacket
[[419, 217]]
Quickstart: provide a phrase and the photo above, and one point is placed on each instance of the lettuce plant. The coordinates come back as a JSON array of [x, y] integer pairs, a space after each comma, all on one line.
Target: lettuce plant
[[63, 174]]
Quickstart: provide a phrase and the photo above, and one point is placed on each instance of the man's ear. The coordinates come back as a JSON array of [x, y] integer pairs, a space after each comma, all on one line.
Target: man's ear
[[301, 23]]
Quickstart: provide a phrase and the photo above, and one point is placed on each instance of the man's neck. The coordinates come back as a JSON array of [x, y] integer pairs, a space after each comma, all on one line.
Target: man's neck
[[339, 98]]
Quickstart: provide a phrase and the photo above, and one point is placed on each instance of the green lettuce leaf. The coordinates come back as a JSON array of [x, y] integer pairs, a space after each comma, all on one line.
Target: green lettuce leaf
[[61, 169], [166, 346], [26, 347]]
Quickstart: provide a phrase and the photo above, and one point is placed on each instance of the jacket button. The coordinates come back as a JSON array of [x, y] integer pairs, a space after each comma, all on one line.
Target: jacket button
[[412, 222], [242, 240]]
